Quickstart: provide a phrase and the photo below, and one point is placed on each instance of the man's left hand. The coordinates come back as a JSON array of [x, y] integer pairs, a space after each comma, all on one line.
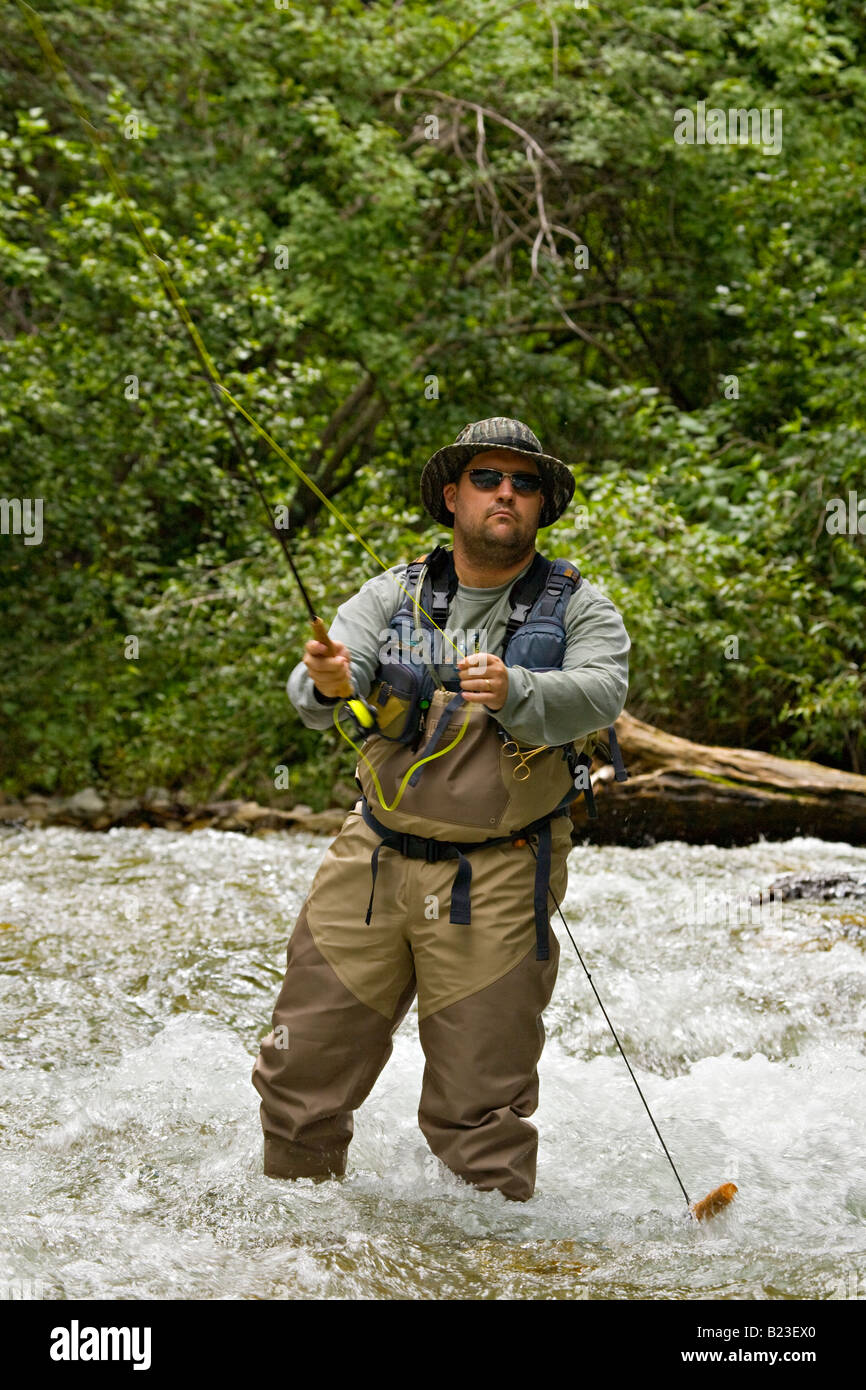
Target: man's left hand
[[483, 679]]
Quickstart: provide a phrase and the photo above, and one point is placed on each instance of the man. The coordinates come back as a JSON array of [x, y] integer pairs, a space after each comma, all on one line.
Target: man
[[462, 833]]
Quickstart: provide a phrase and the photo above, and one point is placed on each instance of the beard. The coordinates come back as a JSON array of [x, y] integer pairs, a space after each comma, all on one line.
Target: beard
[[500, 550]]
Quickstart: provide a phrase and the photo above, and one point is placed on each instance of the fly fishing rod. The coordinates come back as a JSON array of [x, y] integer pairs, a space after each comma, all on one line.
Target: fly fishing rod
[[360, 711], [362, 714], [358, 708]]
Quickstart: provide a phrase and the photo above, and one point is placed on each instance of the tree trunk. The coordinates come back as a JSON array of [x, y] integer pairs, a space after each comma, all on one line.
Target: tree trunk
[[679, 790]]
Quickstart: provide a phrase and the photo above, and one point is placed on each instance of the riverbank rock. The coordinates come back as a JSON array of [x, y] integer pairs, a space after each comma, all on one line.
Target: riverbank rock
[[81, 809], [157, 796], [162, 809], [821, 889], [123, 810]]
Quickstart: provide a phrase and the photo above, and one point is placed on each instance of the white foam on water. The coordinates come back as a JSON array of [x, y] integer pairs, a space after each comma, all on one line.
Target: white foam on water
[[139, 972]]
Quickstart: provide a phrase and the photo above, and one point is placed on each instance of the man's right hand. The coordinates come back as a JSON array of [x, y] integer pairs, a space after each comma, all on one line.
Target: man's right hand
[[330, 673]]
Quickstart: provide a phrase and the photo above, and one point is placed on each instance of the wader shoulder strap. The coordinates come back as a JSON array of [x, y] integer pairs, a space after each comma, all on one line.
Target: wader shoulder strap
[[524, 594], [540, 591], [440, 584]]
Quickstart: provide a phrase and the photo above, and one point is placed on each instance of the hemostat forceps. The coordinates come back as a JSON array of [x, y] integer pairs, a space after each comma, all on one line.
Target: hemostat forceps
[[511, 750]]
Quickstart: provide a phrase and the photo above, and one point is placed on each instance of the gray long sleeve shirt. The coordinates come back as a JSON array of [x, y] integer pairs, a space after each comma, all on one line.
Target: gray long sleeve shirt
[[542, 707]]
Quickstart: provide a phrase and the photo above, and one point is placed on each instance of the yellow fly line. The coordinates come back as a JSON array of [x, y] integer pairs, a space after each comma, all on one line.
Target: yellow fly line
[[96, 138], [420, 763]]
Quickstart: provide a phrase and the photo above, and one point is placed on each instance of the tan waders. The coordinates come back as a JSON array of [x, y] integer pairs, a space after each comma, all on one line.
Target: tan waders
[[480, 984]]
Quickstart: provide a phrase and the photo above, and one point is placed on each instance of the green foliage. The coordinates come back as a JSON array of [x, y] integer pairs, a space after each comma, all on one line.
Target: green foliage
[[342, 268]]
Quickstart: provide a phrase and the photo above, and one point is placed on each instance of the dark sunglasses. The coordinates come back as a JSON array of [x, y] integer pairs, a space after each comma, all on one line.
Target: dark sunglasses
[[489, 478]]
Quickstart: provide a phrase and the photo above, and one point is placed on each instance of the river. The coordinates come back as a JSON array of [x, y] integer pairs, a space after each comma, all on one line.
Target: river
[[139, 969]]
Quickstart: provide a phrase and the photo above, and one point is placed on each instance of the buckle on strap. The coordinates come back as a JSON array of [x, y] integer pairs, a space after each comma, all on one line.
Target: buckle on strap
[[435, 850]]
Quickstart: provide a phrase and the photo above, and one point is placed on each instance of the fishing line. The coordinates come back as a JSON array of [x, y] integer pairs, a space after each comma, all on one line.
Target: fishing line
[[720, 1196], [421, 761], [222, 394]]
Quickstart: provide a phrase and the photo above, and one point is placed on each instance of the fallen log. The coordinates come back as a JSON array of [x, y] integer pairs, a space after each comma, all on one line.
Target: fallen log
[[679, 790]]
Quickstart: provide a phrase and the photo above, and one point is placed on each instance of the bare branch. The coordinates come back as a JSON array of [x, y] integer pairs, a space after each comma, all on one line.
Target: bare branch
[[494, 116], [491, 19], [544, 225], [554, 35], [566, 231]]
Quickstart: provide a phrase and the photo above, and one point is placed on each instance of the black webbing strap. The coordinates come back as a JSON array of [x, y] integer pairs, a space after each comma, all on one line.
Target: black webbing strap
[[585, 762], [420, 847], [461, 906], [619, 769], [436, 736], [539, 590], [410, 578], [440, 585], [374, 869], [524, 594], [461, 902], [542, 886]]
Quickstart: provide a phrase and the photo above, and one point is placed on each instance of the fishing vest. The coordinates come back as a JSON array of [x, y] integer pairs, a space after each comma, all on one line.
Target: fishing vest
[[534, 637], [475, 794]]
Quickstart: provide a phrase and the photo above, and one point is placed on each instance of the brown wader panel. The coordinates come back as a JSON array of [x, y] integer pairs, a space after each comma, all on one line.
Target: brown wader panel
[[349, 984], [312, 1075], [472, 792], [480, 1078], [409, 929]]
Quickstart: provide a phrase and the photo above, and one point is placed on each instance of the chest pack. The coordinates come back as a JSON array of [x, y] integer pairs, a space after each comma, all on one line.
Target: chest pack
[[418, 657], [535, 638]]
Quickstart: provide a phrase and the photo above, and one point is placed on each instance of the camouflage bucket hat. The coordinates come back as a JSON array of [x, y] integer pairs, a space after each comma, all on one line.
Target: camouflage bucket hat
[[498, 432]]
